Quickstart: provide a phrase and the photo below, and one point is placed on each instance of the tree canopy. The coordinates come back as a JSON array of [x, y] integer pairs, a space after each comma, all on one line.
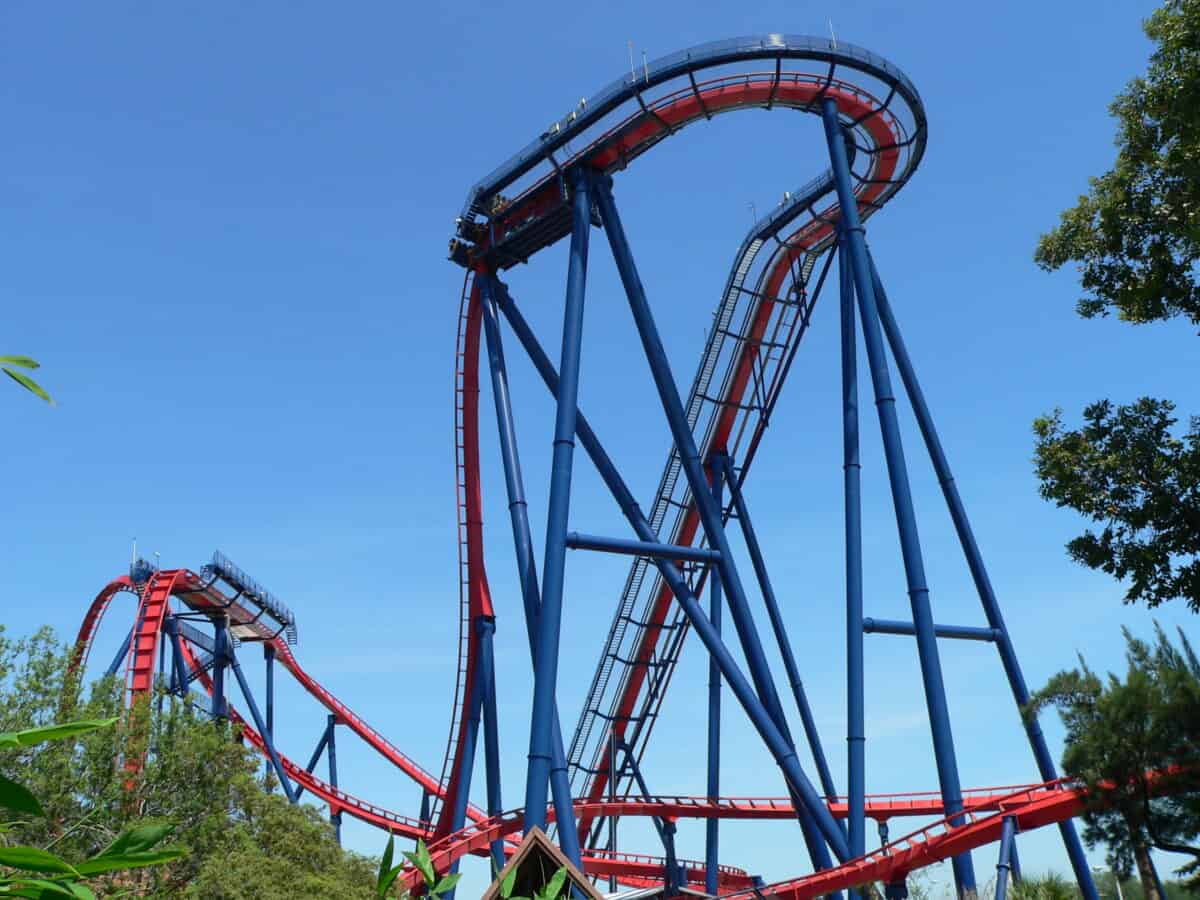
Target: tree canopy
[[1126, 470], [244, 839], [1120, 729], [1135, 235]]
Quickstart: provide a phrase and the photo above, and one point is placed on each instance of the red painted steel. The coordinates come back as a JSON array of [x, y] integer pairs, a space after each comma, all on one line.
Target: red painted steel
[[1034, 804]]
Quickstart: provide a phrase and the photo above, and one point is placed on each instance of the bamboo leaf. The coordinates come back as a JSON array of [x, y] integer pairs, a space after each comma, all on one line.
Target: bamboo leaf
[[28, 383], [33, 859], [100, 864], [32, 736], [17, 797], [506, 886], [383, 881], [138, 839], [39, 888], [23, 361]]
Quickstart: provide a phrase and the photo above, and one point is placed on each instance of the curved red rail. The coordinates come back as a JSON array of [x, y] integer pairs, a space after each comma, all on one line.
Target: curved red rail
[[628, 139]]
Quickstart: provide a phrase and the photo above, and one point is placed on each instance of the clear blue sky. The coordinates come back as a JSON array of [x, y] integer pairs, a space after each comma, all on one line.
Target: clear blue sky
[[224, 237]]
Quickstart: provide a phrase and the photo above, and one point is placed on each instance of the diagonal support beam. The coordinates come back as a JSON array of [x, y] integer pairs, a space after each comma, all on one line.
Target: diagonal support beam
[[712, 828], [811, 807], [706, 508], [518, 508], [549, 621], [979, 573], [778, 628], [284, 782]]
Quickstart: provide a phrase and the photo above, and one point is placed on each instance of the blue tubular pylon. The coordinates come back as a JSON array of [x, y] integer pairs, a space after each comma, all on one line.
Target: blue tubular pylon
[[979, 574], [710, 516], [322, 743], [1004, 865], [856, 737], [854, 240], [689, 454], [269, 663], [223, 647], [810, 809], [518, 509], [220, 661], [122, 652], [179, 678], [335, 817], [549, 622], [466, 763], [779, 630], [491, 729], [712, 826]]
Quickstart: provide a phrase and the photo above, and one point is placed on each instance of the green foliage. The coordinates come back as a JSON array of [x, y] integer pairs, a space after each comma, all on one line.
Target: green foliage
[[1127, 471], [1117, 730], [244, 840], [133, 849], [1131, 888], [1050, 886], [434, 886], [1136, 234], [24, 362], [553, 889]]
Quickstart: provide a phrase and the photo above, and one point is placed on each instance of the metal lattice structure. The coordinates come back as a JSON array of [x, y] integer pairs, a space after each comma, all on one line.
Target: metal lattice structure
[[561, 186]]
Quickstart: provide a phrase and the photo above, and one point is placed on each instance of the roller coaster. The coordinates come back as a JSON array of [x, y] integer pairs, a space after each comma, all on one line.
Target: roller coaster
[[190, 625]]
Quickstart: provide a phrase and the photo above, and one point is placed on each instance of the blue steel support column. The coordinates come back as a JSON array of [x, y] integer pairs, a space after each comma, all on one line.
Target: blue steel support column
[[712, 826], [518, 510], [162, 671], [269, 663], [220, 660], [177, 658], [545, 669], [284, 782], [467, 763], [689, 455], [856, 729], [811, 810], [780, 631], [612, 795], [672, 861], [910, 545], [979, 574], [335, 818], [491, 730], [122, 652], [1007, 829], [710, 513], [314, 759]]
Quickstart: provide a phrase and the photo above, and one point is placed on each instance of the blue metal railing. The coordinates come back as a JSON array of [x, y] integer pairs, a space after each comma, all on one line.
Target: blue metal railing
[[224, 568], [682, 63]]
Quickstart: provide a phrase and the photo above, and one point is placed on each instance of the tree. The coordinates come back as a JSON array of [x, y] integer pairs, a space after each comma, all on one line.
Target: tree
[[1136, 234], [1135, 743], [1135, 237], [244, 839], [1126, 470]]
